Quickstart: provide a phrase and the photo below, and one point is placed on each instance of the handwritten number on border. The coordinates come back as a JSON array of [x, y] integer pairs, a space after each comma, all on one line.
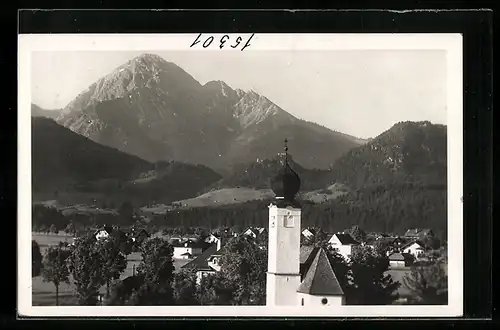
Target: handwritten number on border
[[208, 41]]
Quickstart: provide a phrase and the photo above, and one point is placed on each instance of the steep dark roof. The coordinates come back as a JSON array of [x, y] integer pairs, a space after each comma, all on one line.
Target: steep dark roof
[[320, 278], [346, 239], [305, 252], [201, 263], [140, 232]]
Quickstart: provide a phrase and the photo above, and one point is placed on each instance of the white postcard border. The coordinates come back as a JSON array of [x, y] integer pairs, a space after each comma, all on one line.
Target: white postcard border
[[451, 43]]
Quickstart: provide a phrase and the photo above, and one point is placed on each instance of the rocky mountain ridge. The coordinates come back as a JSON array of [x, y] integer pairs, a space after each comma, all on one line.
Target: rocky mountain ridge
[[155, 110]]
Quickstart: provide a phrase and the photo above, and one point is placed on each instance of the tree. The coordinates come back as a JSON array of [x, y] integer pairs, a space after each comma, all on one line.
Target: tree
[[114, 261], [123, 242], [214, 289], [70, 229], [43, 228], [341, 268], [184, 288], [53, 229], [55, 267], [370, 285], [157, 269], [318, 239], [86, 266], [357, 233], [37, 258], [428, 283], [244, 266], [122, 290]]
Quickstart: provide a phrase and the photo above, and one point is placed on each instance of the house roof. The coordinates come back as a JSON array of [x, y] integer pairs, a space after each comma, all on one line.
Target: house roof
[[256, 230], [396, 257], [411, 243], [320, 278], [417, 232], [346, 239], [136, 233], [201, 263], [305, 253], [107, 229]]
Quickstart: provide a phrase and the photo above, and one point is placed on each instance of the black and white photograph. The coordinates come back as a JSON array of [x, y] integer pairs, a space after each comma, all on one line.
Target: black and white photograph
[[294, 174]]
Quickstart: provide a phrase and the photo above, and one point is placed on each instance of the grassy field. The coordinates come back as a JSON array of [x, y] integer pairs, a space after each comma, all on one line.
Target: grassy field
[[227, 196], [44, 294]]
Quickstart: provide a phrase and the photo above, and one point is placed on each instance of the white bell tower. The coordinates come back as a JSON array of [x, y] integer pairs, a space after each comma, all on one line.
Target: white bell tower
[[283, 274]]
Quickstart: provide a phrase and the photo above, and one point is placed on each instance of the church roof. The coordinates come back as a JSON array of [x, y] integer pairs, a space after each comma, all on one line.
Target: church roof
[[286, 183], [320, 278]]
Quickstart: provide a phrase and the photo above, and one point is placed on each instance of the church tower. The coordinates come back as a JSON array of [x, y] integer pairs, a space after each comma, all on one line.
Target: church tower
[[283, 275]]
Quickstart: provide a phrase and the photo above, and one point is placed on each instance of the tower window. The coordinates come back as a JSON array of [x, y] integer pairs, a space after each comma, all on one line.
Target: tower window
[[324, 301], [289, 221], [302, 300]]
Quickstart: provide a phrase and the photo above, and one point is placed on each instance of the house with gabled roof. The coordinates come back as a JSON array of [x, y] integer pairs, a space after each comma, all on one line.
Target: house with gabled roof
[[415, 248], [139, 235], [103, 233], [187, 248], [398, 260], [343, 244], [255, 231], [201, 264]]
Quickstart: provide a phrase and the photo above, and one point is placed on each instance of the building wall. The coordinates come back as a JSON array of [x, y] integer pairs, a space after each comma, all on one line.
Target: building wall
[[178, 251], [310, 300], [414, 250], [284, 240], [283, 277], [397, 263], [344, 250], [281, 290], [102, 234]]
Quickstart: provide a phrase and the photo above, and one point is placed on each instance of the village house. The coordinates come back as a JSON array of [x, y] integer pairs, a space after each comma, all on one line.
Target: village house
[[103, 233], [218, 240], [343, 244], [187, 250], [255, 231], [415, 248], [308, 233], [418, 233], [139, 235], [398, 260], [205, 264], [212, 238]]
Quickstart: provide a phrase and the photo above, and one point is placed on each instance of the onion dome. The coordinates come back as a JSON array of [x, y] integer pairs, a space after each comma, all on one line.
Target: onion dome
[[286, 183]]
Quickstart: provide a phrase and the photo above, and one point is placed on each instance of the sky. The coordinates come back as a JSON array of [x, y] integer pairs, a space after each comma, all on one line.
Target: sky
[[357, 92]]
